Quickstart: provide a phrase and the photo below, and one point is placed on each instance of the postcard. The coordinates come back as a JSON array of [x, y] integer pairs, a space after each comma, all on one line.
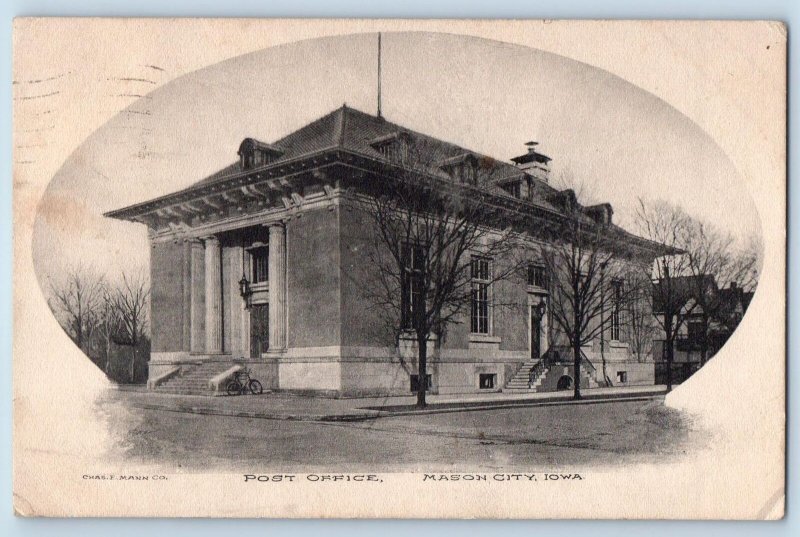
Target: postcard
[[399, 268]]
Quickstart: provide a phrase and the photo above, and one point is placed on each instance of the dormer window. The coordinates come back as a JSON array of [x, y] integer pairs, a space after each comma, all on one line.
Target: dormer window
[[463, 168], [601, 214], [390, 151], [392, 147], [514, 188], [253, 154], [566, 200]]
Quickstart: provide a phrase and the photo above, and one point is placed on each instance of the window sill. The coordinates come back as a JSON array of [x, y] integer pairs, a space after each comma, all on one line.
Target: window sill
[[614, 344], [411, 336], [483, 338], [537, 290]]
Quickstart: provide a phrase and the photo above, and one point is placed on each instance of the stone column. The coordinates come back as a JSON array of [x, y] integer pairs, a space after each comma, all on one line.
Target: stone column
[[197, 289], [245, 313], [277, 287], [186, 279], [240, 334], [213, 296]]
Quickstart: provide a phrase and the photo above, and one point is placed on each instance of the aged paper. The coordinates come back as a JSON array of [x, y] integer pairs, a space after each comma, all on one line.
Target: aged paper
[[223, 307]]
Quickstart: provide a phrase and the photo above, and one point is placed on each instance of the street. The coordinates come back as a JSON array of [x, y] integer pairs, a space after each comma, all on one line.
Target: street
[[526, 438]]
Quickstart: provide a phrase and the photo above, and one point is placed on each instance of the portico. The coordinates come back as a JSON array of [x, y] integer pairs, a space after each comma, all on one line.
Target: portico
[[217, 310]]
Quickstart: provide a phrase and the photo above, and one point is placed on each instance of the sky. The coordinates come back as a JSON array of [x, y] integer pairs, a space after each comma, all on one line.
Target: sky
[[617, 140]]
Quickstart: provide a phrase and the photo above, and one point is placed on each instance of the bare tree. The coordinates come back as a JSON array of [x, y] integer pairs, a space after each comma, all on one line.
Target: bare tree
[[669, 225], [744, 268], [130, 300], [711, 252], [440, 244], [75, 299], [641, 326], [109, 326], [589, 265], [708, 255]]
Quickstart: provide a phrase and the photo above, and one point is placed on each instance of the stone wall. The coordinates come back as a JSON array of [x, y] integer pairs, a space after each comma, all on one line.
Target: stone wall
[[166, 297], [313, 280]]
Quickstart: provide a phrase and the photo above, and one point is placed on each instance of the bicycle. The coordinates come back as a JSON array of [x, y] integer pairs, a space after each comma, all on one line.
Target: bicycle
[[242, 383]]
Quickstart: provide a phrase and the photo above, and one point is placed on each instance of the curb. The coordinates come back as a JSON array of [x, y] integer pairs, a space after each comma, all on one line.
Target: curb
[[373, 414], [521, 404], [257, 415]]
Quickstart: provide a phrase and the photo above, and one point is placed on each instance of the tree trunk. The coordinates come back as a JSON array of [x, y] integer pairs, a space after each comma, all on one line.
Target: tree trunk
[[605, 369], [670, 343], [576, 352], [422, 370], [108, 359], [704, 342], [132, 371]]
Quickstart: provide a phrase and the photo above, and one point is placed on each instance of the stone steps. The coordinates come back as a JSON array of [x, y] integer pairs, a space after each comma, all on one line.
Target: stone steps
[[520, 382], [193, 380], [546, 380]]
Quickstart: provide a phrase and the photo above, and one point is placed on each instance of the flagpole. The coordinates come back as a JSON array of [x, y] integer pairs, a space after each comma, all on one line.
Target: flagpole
[[380, 115]]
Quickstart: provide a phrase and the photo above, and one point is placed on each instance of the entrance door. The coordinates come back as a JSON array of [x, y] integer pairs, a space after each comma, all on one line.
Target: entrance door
[[259, 330], [536, 334]]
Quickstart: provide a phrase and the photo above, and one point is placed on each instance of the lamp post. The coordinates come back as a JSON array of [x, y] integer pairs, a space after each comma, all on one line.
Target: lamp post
[[245, 291], [244, 284]]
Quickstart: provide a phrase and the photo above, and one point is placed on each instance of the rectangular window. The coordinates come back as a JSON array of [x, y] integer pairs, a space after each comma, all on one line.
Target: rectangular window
[[393, 151], [388, 151], [260, 264], [616, 307], [415, 383], [468, 172], [694, 329], [412, 283], [622, 376], [537, 276], [481, 276], [515, 189], [487, 381]]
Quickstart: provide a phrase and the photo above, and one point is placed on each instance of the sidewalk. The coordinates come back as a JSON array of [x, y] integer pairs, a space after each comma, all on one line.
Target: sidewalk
[[286, 406]]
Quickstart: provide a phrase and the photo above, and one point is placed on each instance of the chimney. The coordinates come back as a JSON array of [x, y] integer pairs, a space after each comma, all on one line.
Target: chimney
[[534, 163]]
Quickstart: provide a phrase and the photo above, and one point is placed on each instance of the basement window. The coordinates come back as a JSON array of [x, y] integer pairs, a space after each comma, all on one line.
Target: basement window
[[487, 381], [415, 383], [622, 376]]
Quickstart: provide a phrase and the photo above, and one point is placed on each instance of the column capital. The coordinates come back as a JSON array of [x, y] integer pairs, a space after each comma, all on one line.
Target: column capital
[[209, 238], [276, 224]]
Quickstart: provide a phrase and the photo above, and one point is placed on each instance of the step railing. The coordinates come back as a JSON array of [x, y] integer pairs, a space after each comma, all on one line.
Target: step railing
[[564, 354], [536, 371], [590, 367]]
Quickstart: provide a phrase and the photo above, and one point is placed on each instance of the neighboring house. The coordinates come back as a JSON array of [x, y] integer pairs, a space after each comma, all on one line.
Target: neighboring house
[[263, 264], [734, 302], [700, 331]]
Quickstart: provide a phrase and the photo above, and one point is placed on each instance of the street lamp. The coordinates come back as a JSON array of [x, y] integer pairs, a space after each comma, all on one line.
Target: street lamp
[[244, 284], [245, 291]]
